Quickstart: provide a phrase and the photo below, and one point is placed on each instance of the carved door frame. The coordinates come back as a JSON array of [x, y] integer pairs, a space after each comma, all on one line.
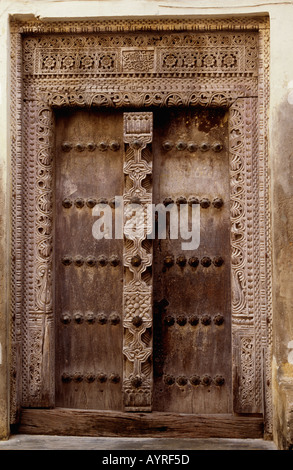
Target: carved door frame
[[112, 76]]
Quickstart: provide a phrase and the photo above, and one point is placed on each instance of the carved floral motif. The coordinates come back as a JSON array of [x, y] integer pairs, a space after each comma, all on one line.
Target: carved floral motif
[[137, 295]]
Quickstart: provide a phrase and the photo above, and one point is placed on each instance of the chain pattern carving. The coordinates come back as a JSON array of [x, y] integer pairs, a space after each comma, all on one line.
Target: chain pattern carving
[[137, 294], [206, 62]]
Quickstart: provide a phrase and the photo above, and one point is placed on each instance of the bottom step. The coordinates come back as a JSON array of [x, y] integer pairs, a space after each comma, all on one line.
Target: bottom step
[[72, 422]]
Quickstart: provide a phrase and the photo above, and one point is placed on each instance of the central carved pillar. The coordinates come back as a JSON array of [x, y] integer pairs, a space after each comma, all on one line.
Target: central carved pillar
[[137, 292]]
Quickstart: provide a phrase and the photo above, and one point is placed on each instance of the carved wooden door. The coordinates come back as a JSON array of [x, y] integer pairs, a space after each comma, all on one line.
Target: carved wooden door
[[142, 324], [192, 328], [89, 272]]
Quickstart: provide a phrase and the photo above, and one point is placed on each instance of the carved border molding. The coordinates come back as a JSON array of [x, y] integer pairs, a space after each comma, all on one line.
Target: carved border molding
[[246, 96], [137, 293]]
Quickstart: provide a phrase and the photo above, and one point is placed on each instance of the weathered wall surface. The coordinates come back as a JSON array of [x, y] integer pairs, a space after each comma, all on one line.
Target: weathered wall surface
[[4, 229], [281, 163], [280, 141]]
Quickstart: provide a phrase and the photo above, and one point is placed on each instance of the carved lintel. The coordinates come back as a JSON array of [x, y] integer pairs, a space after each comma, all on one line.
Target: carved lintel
[[137, 295]]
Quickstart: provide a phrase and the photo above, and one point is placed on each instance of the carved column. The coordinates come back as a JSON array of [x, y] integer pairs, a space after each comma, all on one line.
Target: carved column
[[39, 360], [246, 330], [137, 293]]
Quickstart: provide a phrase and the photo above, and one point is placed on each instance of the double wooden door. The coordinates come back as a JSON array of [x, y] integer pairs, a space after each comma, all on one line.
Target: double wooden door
[[165, 346]]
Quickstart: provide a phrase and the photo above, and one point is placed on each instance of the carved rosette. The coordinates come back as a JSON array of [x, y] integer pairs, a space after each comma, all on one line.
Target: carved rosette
[[137, 293]]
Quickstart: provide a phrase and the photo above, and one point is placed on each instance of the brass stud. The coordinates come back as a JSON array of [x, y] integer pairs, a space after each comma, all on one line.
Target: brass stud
[[135, 200], [204, 203], [66, 319], [167, 201], [67, 203], [181, 200], [136, 144], [90, 261], [90, 377], [102, 260], [169, 379], [181, 320], [206, 320], [136, 261], [91, 146], [206, 261], [79, 202], [193, 320], [77, 377], [114, 318], [169, 261], [114, 260], [218, 261], [167, 145], [204, 146], [193, 200], [78, 318], [181, 260], [181, 145], [78, 261], [114, 145], [218, 319], [114, 202], [66, 378], [66, 146], [90, 317], [66, 260], [192, 147], [193, 261], [218, 202], [137, 321], [114, 378], [181, 380], [206, 380], [169, 320], [103, 146], [80, 147], [219, 380], [91, 202], [136, 381], [194, 380], [217, 147], [102, 318], [101, 377], [102, 200]]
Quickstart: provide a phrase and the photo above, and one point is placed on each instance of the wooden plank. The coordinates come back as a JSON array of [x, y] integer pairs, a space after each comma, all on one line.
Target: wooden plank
[[192, 298], [88, 285], [64, 421]]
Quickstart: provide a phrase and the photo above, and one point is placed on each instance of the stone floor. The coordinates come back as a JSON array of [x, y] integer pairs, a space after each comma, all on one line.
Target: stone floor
[[26, 442]]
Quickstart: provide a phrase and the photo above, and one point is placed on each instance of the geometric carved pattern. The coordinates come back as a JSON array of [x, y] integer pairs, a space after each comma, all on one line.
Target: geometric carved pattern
[[105, 54], [208, 62], [137, 294]]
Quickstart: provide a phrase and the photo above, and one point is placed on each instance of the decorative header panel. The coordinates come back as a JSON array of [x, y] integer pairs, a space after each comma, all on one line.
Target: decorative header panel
[[148, 54]]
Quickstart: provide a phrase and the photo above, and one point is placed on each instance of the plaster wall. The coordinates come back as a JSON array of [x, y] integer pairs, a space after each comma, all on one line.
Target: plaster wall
[[280, 141]]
